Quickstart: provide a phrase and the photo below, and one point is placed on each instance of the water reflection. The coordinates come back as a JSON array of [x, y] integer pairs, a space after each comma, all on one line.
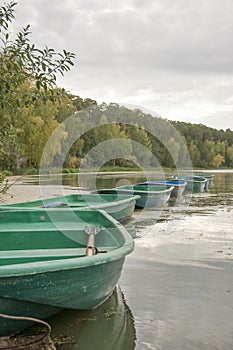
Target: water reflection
[[222, 183], [219, 196], [89, 181], [110, 326]]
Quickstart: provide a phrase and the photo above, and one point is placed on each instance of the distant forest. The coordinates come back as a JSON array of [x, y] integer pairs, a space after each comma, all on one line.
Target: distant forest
[[90, 133]]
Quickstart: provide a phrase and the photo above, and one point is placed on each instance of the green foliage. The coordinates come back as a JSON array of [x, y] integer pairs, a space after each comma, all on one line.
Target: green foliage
[[120, 167], [81, 103], [109, 142], [66, 170], [119, 136], [27, 77], [27, 80], [27, 171], [21, 61], [7, 173], [141, 147], [194, 154], [208, 147], [66, 106], [218, 160], [229, 156]]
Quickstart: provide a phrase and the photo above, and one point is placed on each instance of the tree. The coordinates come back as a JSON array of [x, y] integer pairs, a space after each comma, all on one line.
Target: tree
[[220, 148], [230, 156], [110, 143], [194, 154], [218, 161], [142, 143], [66, 107], [35, 125], [172, 156], [22, 63], [81, 103]]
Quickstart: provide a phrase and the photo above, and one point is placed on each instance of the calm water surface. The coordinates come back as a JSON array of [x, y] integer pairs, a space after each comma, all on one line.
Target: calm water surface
[[176, 289]]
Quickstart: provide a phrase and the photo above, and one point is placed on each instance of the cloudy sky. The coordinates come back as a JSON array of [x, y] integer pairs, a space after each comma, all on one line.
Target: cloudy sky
[[173, 57]]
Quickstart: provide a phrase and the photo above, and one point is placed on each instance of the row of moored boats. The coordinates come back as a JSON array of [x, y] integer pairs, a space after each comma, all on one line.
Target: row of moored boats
[[68, 252]]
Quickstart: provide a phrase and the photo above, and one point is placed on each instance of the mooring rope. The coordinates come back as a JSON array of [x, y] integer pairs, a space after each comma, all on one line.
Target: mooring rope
[[31, 319]]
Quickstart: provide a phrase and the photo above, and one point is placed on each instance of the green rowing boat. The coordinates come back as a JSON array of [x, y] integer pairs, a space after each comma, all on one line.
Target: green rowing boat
[[120, 207], [209, 182], [149, 196], [45, 264], [178, 190], [194, 183]]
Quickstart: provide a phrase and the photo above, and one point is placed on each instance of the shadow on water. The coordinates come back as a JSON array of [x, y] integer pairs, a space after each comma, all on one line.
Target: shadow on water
[[110, 326]]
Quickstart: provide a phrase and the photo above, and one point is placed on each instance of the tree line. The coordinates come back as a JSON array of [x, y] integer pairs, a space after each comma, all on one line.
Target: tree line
[[169, 143], [146, 141], [92, 135]]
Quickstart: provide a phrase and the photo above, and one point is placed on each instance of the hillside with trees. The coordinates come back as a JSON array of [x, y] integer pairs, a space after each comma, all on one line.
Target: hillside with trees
[[208, 147], [168, 144]]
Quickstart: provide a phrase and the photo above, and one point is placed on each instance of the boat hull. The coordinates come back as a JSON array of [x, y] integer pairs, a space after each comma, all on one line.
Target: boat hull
[[113, 327], [178, 190], [42, 295], [196, 186], [44, 266], [194, 183], [149, 196], [209, 182], [120, 207]]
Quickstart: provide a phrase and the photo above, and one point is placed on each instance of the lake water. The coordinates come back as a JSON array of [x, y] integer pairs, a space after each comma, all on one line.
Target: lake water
[[176, 289]]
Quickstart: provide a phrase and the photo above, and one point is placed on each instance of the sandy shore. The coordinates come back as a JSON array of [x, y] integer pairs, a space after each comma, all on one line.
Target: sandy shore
[[21, 192]]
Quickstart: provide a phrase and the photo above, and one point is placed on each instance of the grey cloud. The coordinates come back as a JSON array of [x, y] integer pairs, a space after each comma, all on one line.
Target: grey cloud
[[180, 35], [220, 119]]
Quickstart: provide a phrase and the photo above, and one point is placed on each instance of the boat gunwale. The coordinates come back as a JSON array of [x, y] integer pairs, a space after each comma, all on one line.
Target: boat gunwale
[[140, 192], [40, 267], [165, 183], [100, 206], [118, 252], [149, 192], [197, 179]]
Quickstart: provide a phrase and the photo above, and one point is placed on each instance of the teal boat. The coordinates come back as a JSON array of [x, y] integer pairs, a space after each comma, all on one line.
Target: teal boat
[[178, 190], [210, 180], [56, 259], [120, 207], [210, 177], [149, 196], [194, 183]]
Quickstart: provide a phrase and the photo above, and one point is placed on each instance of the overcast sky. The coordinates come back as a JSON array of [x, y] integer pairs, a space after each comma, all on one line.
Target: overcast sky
[[174, 57]]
